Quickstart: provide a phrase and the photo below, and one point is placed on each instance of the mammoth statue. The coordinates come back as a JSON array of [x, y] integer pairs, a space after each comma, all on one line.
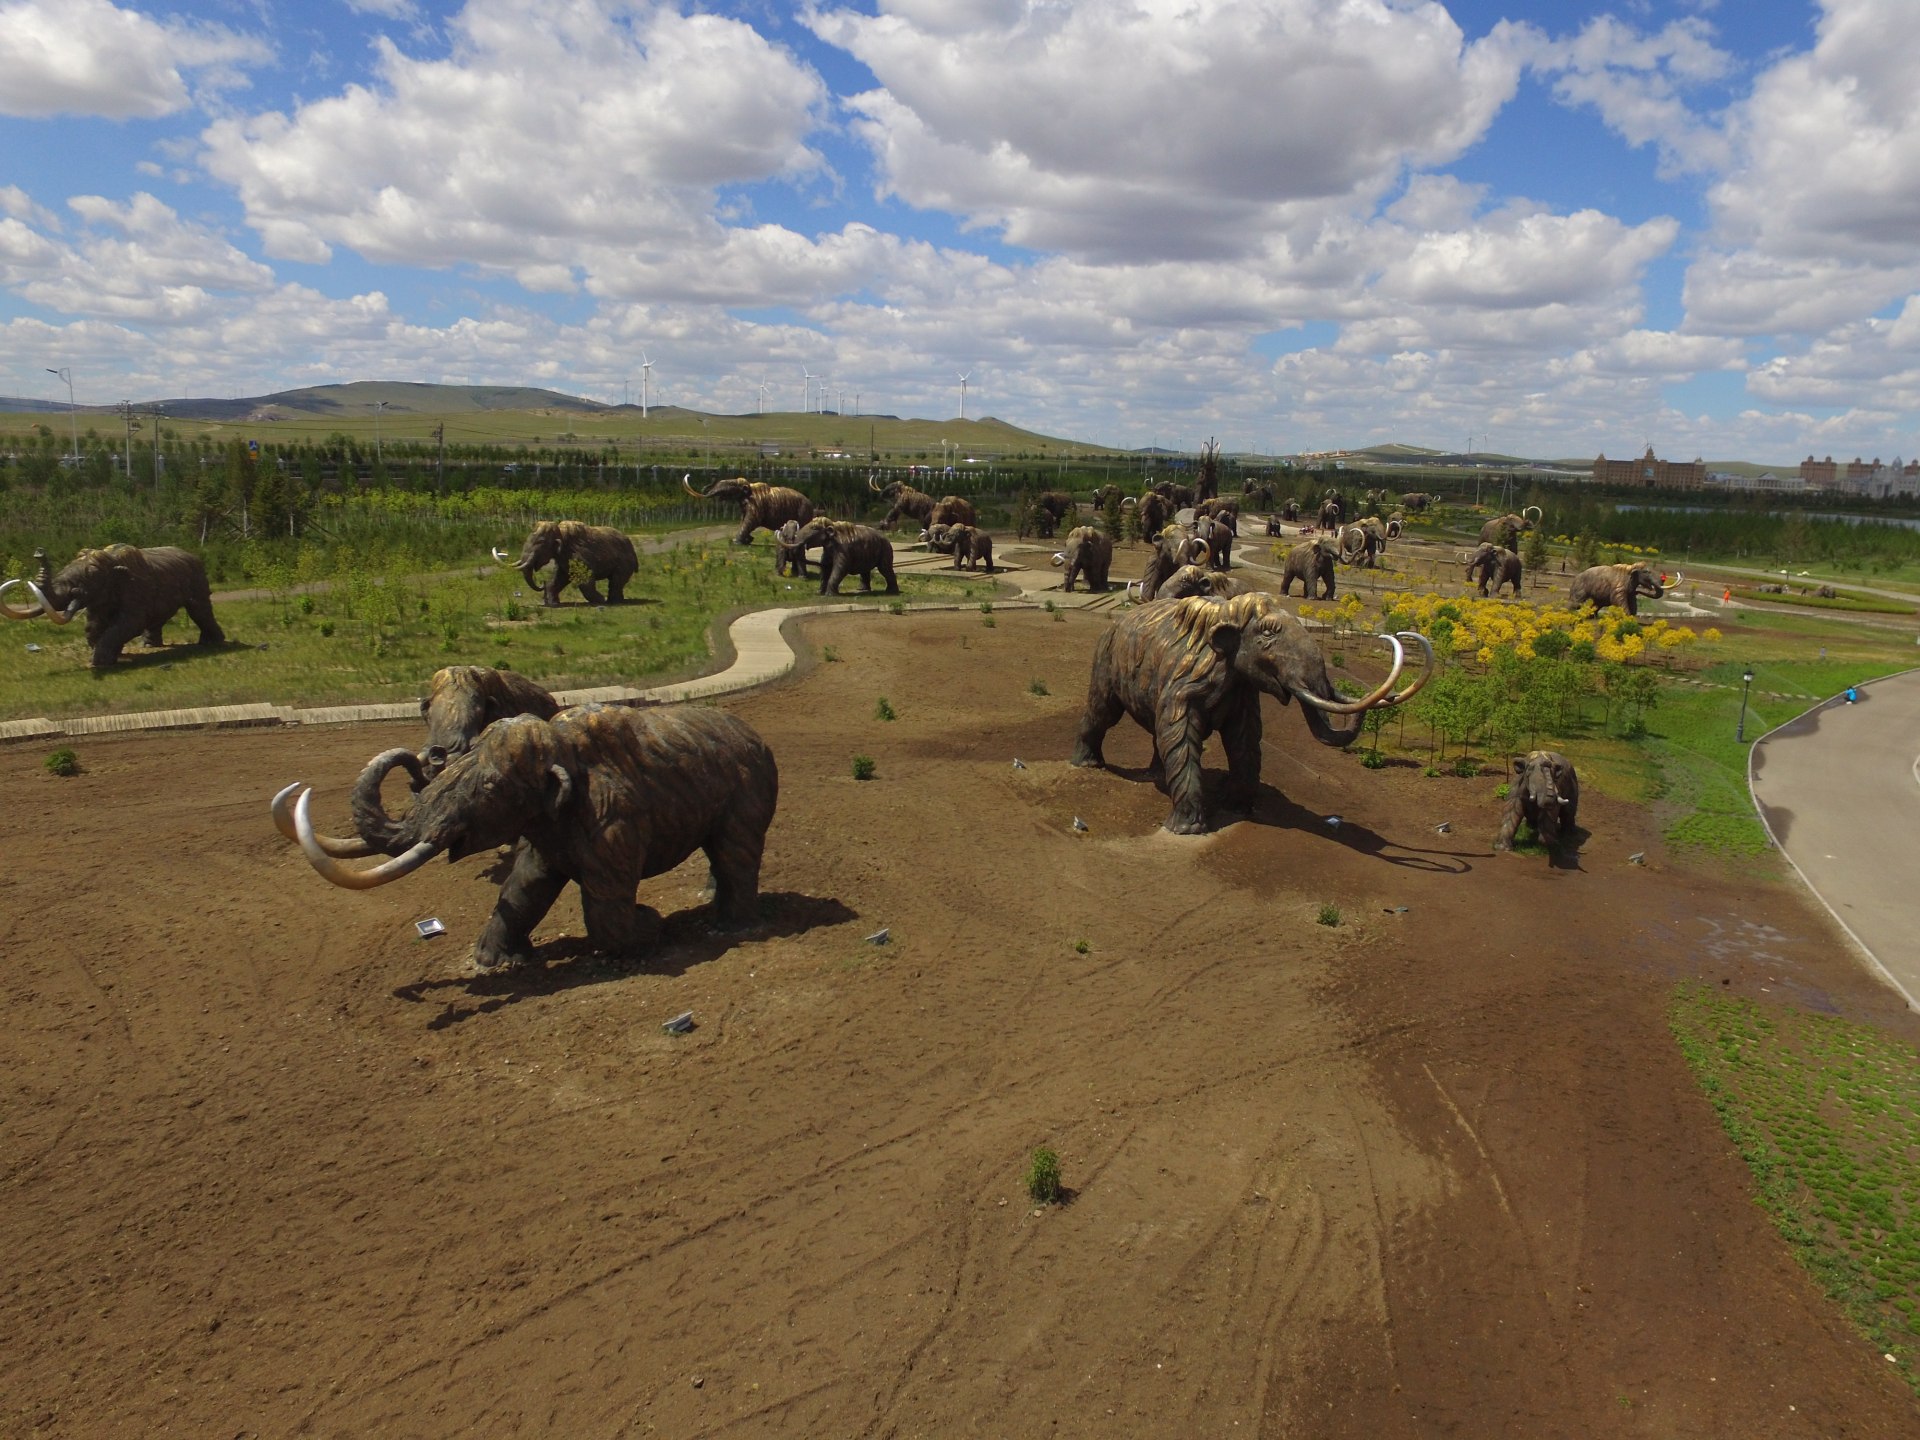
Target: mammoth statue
[[1173, 548], [789, 555], [762, 506], [1621, 585], [1190, 667], [602, 551], [1155, 510], [1494, 567], [1227, 509], [847, 548], [1331, 511], [1089, 555], [1361, 543], [1217, 535], [1309, 562], [1545, 793], [971, 544], [126, 591], [1041, 514], [1273, 526], [599, 795], [1415, 502], [1396, 522], [1179, 496], [1102, 494], [1256, 494], [911, 504], [1290, 511], [1200, 580], [1505, 531]]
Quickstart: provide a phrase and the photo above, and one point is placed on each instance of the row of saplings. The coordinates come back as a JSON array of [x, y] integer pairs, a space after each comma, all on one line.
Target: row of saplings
[[605, 796]]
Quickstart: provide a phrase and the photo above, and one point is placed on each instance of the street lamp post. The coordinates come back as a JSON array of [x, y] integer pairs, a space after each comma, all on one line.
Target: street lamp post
[[379, 455], [1746, 684], [73, 415]]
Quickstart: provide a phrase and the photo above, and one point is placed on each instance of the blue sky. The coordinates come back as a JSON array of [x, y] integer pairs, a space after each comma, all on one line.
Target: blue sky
[[1560, 229]]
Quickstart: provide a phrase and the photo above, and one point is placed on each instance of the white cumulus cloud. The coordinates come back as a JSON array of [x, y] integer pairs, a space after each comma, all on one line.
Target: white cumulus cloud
[[91, 57]]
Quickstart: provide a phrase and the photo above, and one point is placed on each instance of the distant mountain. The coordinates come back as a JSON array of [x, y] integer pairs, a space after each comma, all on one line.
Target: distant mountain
[[363, 397], [20, 405]]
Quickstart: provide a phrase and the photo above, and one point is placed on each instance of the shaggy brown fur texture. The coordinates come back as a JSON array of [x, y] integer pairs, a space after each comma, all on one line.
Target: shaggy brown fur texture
[[127, 591], [1309, 562], [1544, 792], [971, 546], [1494, 567], [571, 545], [1621, 585], [849, 549], [1089, 557]]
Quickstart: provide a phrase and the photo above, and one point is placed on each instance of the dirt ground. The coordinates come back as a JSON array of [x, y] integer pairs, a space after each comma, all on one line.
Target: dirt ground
[[272, 1165]]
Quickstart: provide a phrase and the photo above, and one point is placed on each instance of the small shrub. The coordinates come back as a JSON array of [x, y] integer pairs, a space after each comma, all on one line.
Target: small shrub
[[830, 655], [1339, 661], [513, 610], [1043, 1177], [1466, 767], [1432, 772], [1501, 792], [1329, 915], [326, 629], [1037, 686], [986, 607], [896, 607], [988, 621], [863, 767], [1082, 947], [63, 762], [1373, 760], [883, 709], [306, 604]]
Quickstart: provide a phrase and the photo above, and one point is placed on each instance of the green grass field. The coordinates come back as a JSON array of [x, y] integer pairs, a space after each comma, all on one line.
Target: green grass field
[[1826, 1114], [376, 639]]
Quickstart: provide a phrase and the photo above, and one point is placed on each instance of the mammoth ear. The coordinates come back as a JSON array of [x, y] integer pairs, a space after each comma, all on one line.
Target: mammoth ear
[[1225, 639], [562, 790], [1519, 767], [426, 703]]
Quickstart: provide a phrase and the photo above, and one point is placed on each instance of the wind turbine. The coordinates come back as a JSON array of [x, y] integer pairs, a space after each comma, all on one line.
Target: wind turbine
[[807, 403], [646, 379], [763, 397], [963, 393]]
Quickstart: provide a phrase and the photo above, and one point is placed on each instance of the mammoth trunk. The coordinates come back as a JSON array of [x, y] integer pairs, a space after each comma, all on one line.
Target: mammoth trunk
[[1327, 733], [369, 815]]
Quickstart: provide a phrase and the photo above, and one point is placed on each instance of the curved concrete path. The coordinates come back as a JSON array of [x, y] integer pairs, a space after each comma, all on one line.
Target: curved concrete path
[[1839, 790]]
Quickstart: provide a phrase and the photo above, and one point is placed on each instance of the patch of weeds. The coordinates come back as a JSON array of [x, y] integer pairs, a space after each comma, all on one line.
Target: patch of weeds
[[1502, 791], [830, 655], [896, 607], [326, 629], [306, 604], [1432, 772], [883, 709], [986, 607], [1329, 915], [1082, 947], [988, 621], [1466, 767], [1043, 1177], [1051, 608], [1339, 660], [863, 767], [1826, 1114], [513, 611], [63, 762], [1037, 686], [1373, 760]]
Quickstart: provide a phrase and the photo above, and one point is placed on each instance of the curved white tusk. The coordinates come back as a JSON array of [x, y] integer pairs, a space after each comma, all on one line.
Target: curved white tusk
[[10, 612], [1426, 671], [331, 869], [1377, 696], [282, 808], [499, 555], [1059, 559], [59, 617], [1677, 580]]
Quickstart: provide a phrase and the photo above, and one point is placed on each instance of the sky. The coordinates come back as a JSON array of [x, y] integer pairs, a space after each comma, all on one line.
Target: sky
[[1544, 227]]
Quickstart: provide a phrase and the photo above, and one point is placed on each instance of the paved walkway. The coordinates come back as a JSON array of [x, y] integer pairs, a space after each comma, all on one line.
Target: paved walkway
[[1839, 789]]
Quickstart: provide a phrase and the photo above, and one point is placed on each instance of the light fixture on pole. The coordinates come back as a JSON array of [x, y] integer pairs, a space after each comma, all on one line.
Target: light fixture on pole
[[73, 415], [378, 454], [1746, 684]]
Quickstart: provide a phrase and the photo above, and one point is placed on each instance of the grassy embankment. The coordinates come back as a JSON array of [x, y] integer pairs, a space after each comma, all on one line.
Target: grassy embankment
[[372, 638], [1827, 1116]]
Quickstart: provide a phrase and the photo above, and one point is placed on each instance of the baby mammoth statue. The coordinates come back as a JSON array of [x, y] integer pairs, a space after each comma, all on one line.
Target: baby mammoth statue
[[601, 796], [1545, 793]]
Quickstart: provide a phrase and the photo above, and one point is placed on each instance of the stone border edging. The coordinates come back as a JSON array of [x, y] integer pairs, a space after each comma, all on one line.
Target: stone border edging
[[1873, 960]]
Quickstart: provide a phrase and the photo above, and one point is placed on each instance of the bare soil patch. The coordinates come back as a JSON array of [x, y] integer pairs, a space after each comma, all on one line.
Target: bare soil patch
[[275, 1166]]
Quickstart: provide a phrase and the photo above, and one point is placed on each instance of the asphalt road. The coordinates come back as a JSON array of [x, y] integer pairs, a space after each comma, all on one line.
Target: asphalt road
[[1840, 789]]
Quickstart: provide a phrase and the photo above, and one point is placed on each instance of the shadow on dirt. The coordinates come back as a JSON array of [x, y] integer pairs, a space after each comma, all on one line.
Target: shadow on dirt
[[679, 942], [169, 654]]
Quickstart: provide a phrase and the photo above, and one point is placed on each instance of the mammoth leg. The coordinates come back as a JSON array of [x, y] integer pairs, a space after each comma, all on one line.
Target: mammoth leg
[[617, 925], [200, 611], [733, 857], [1509, 822], [525, 898], [1103, 712], [886, 571], [114, 638], [1240, 734], [154, 638], [749, 523], [591, 590], [557, 582], [1178, 741]]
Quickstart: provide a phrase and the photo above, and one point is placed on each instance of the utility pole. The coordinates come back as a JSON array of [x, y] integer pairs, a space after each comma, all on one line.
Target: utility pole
[[440, 472], [126, 413], [157, 415], [73, 415]]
